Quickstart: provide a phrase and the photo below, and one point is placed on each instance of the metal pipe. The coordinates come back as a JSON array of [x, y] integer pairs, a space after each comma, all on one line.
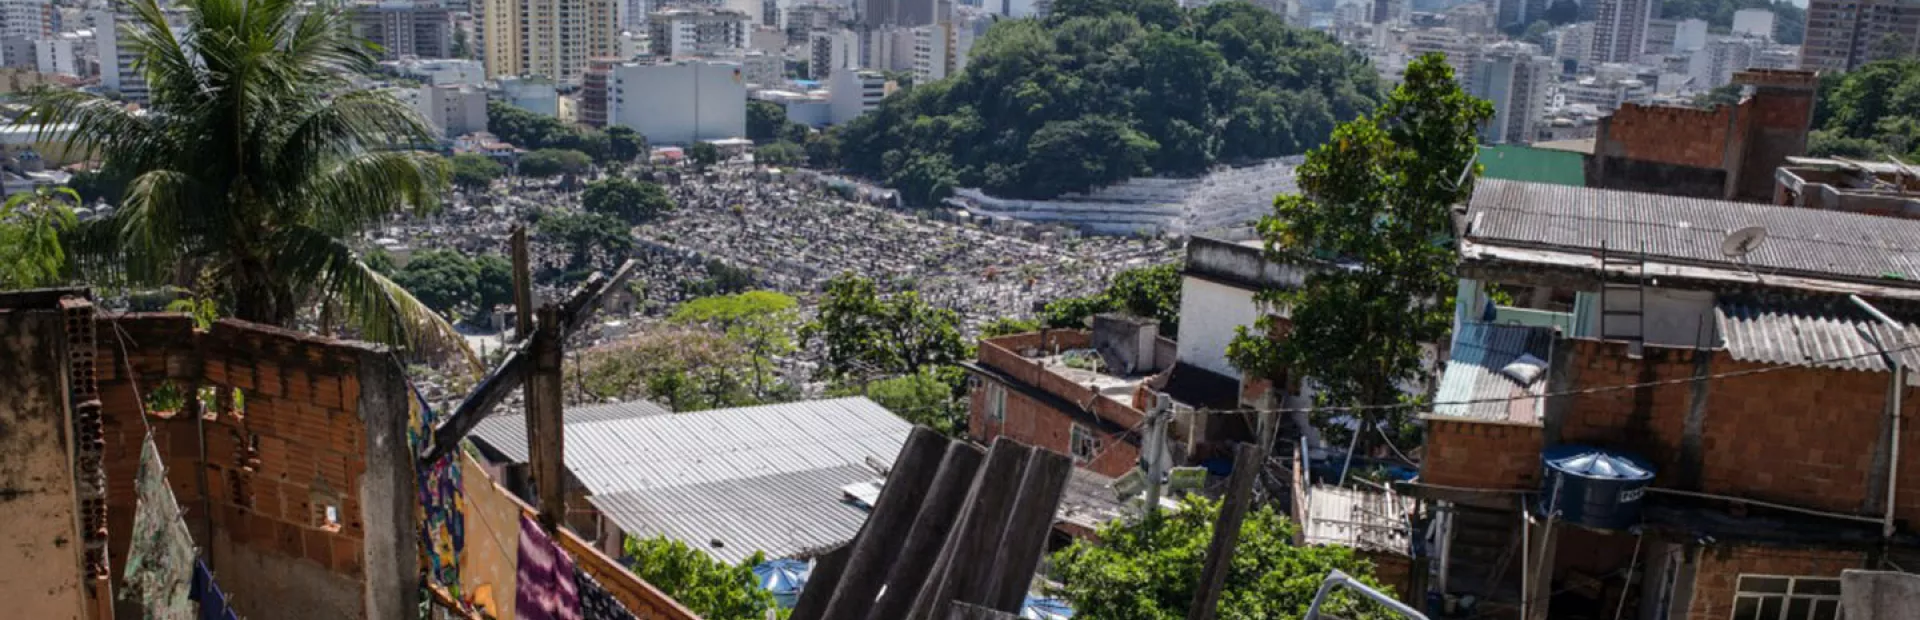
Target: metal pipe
[[1894, 393], [1639, 538], [1807, 511], [1335, 578]]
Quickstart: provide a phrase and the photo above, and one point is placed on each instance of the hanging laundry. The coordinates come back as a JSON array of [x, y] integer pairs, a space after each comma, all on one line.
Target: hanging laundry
[[595, 602], [544, 581], [442, 526], [213, 602], [160, 554]]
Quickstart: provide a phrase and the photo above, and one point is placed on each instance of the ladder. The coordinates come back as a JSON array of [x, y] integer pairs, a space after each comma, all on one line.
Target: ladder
[[1623, 304]]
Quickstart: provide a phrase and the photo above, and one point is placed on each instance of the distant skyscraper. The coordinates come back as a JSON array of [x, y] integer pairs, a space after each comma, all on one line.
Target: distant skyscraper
[[906, 13], [1620, 30], [547, 38], [1519, 12], [1515, 77], [1843, 34], [421, 31]]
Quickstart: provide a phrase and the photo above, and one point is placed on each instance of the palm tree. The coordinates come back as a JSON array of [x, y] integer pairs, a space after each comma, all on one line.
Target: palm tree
[[254, 163]]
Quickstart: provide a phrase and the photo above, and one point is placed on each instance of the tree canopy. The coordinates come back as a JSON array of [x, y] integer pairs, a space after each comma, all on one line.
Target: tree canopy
[[1104, 90], [761, 322], [635, 202], [1152, 292], [585, 235], [532, 131], [703, 154], [867, 335], [554, 162], [1870, 112], [475, 172], [686, 368], [1376, 198], [709, 587], [255, 161], [31, 254], [447, 280], [1147, 569]]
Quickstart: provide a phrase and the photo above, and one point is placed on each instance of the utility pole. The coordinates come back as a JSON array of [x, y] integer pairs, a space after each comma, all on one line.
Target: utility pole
[[543, 391], [1895, 389], [1226, 531], [1154, 453]]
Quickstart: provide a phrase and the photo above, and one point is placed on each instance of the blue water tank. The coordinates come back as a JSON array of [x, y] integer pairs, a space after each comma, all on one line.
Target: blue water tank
[[1597, 488]]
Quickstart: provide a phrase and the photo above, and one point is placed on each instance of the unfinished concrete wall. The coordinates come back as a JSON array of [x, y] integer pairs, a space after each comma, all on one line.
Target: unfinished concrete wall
[[41, 572], [1879, 594]]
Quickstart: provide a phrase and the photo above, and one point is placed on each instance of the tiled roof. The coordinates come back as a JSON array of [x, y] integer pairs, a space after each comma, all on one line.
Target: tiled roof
[[506, 433], [1838, 337], [1800, 241], [1472, 375]]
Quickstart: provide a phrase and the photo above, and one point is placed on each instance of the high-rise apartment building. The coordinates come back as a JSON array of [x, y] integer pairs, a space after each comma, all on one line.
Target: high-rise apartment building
[[1519, 12], [831, 52], [595, 88], [405, 29], [679, 102], [547, 38], [1620, 30], [117, 72], [1843, 34], [1515, 77], [697, 32], [28, 19], [905, 13]]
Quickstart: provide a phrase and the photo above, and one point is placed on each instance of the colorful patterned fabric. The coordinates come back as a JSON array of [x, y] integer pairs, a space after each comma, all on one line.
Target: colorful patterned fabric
[[442, 526], [160, 555], [595, 602], [544, 583], [213, 602]]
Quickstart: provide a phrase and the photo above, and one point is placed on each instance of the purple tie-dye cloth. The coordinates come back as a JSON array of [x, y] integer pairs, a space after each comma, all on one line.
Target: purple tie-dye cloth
[[545, 586]]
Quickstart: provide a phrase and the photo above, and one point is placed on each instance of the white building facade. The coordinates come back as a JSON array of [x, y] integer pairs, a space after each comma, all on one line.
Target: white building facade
[[680, 102]]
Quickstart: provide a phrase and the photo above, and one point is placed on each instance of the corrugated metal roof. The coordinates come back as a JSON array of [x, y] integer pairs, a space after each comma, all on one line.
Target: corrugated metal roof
[[506, 433], [780, 514], [1807, 241], [1842, 338], [1479, 351]]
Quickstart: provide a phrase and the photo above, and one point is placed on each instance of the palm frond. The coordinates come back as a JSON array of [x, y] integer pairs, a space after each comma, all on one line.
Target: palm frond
[[379, 309], [358, 192]]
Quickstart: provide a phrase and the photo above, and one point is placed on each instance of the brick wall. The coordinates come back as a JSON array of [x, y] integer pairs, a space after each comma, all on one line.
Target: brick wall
[[1482, 454], [41, 568], [1034, 423], [1670, 135], [1720, 568], [295, 447]]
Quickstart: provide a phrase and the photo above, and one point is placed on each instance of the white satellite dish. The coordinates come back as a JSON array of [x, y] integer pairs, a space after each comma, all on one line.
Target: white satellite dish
[[1740, 243]]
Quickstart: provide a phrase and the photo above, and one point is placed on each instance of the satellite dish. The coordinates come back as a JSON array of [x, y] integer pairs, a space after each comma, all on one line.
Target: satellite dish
[[1741, 242]]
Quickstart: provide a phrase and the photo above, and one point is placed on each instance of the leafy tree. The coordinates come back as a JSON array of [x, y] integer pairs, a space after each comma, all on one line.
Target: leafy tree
[[442, 279], [704, 154], [782, 153], [585, 233], [537, 131], [98, 185], [823, 149], [255, 161], [1377, 198], [1147, 569], [462, 47], [494, 281], [685, 368], [867, 335], [636, 202], [761, 322], [765, 119], [1145, 291], [1104, 90], [1727, 94], [933, 397], [1871, 112], [554, 162], [31, 254], [1008, 326], [706, 586], [625, 144], [476, 172]]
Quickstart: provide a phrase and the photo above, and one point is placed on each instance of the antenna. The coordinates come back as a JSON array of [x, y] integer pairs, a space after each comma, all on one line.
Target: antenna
[[1742, 242]]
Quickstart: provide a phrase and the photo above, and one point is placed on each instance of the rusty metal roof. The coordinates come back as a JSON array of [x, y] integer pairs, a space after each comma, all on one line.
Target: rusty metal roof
[[1800, 241]]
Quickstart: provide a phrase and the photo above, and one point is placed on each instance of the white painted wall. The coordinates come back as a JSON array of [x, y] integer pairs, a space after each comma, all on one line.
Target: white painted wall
[[1209, 313]]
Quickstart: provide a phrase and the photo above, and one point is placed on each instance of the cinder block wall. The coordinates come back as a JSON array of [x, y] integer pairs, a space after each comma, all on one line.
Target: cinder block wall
[[1720, 568]]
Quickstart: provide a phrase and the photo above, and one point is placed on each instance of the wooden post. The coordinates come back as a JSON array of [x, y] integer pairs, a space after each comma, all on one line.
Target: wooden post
[[821, 584], [1024, 539], [1226, 530], [967, 557], [878, 545], [938, 514], [522, 284], [546, 426]]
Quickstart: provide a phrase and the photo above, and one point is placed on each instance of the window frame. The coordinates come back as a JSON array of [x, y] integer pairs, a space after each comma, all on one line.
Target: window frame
[[996, 402], [1785, 599], [1081, 434]]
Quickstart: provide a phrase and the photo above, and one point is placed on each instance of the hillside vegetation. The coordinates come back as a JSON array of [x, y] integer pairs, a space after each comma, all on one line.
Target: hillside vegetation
[[1104, 90]]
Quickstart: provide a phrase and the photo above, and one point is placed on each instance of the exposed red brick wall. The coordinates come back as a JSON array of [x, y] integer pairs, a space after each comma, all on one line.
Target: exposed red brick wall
[[1720, 568], [1482, 455], [1648, 422], [1030, 422], [297, 439], [1669, 135]]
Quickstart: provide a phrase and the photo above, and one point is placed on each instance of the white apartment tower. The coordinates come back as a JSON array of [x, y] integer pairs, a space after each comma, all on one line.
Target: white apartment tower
[[1515, 77], [697, 32], [547, 38], [1620, 30]]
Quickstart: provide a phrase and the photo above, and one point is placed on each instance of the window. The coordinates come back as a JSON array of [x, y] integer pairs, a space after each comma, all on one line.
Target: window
[[996, 402], [1764, 597], [1086, 444]]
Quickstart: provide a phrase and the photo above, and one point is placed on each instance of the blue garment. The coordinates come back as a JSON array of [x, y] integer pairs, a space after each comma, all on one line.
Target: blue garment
[[213, 602]]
